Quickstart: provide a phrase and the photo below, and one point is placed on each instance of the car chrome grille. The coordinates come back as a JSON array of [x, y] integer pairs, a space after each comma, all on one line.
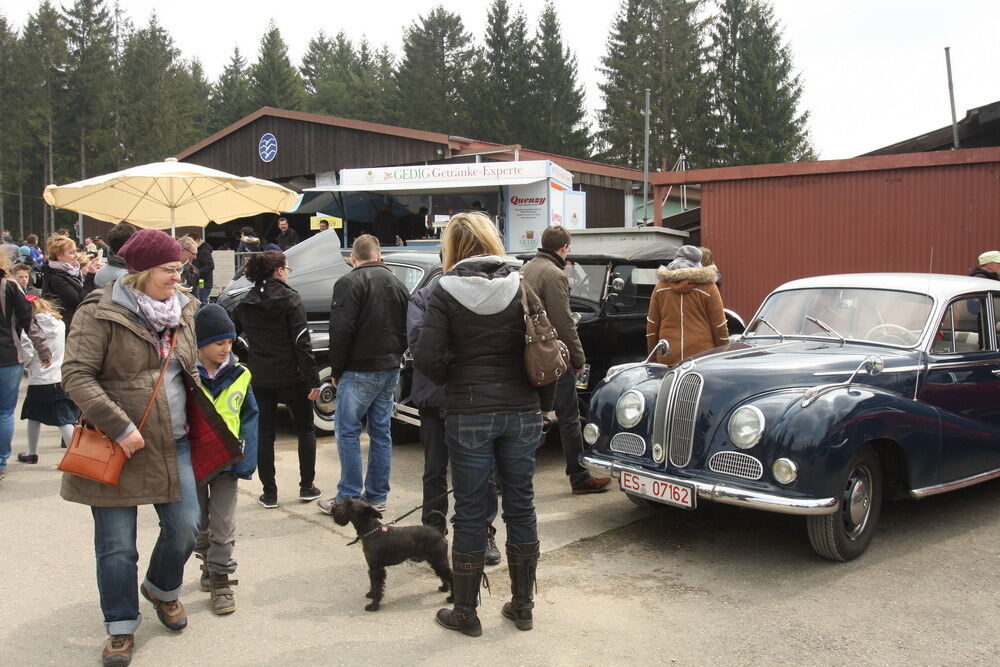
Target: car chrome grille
[[660, 412], [682, 419], [736, 464], [628, 443]]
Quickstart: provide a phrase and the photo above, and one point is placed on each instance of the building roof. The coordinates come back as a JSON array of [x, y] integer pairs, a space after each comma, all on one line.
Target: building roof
[[406, 133], [850, 165], [979, 128], [503, 152]]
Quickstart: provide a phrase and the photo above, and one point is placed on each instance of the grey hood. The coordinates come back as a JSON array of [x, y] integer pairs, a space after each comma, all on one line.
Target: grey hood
[[483, 284]]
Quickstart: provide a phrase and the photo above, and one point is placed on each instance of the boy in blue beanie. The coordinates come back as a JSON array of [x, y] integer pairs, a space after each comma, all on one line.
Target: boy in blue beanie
[[227, 384]]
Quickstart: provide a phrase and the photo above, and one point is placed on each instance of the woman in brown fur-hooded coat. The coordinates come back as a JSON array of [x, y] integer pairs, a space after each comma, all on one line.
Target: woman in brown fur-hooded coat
[[686, 308]]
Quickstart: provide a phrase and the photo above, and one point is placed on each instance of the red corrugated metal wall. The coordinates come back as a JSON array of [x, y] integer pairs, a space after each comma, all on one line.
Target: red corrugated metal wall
[[764, 232]]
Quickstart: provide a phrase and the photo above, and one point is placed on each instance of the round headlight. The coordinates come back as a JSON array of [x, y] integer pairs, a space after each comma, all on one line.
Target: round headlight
[[591, 433], [746, 426], [785, 471], [629, 409]]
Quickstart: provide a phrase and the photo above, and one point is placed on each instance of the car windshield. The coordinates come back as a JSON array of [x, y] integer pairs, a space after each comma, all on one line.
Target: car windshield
[[586, 281], [871, 315]]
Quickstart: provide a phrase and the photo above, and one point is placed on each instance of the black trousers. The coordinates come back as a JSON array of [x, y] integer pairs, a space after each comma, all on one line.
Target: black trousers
[[567, 409], [296, 398], [435, 510]]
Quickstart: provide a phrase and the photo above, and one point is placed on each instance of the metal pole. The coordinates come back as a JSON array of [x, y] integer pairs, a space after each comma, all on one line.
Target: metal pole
[[951, 96], [645, 164]]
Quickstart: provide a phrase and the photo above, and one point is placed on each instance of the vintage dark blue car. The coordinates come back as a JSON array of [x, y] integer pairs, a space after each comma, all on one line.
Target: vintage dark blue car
[[844, 390]]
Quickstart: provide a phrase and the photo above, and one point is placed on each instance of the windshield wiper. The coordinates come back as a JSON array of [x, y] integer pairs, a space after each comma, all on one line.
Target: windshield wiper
[[826, 327], [781, 336]]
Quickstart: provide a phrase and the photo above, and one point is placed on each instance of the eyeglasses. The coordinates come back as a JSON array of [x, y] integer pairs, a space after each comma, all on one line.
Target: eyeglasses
[[176, 270], [287, 268]]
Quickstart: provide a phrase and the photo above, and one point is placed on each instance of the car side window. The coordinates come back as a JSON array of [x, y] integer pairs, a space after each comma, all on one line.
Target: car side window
[[408, 275], [962, 329]]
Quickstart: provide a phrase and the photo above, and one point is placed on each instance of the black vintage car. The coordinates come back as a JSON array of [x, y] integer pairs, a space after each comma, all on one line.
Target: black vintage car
[[612, 273]]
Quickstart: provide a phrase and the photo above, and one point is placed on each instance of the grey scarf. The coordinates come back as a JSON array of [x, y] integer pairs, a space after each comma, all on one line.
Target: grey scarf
[[160, 314]]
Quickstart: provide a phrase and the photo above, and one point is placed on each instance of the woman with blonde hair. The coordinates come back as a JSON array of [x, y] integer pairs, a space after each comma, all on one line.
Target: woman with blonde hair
[[46, 402], [472, 342], [63, 281]]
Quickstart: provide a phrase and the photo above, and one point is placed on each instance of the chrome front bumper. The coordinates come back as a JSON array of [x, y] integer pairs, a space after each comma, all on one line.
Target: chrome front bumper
[[720, 493]]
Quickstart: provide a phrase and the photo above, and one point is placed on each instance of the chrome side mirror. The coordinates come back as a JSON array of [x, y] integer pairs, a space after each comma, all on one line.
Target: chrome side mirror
[[662, 348], [874, 365]]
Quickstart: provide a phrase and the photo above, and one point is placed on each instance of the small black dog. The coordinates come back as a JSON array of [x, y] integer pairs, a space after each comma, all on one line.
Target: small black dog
[[391, 545]]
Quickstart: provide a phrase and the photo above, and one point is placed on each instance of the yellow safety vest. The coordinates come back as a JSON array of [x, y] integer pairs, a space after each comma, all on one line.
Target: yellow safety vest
[[229, 402]]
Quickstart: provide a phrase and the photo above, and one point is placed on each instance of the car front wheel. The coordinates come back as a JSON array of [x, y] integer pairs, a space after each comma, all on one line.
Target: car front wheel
[[325, 407], [845, 534]]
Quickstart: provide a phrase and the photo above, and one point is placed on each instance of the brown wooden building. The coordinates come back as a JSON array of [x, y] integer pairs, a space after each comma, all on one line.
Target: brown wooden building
[[312, 145], [921, 212]]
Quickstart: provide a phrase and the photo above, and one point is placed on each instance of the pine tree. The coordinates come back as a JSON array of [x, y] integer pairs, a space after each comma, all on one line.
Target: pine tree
[[89, 112], [230, 97], [559, 119], [375, 85], [334, 70], [10, 124], [317, 59], [656, 44], [273, 80], [42, 59], [756, 92], [430, 79], [193, 104]]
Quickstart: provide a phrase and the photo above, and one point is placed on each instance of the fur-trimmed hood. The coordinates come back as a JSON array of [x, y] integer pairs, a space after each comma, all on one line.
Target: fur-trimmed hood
[[701, 275]]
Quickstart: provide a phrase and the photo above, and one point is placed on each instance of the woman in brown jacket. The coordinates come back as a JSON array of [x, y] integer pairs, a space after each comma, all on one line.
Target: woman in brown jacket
[[686, 308], [123, 334]]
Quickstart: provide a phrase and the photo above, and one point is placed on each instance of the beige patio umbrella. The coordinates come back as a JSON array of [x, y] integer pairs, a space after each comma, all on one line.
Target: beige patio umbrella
[[162, 195]]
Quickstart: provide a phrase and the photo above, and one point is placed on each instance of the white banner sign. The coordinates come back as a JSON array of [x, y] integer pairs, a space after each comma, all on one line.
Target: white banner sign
[[527, 215]]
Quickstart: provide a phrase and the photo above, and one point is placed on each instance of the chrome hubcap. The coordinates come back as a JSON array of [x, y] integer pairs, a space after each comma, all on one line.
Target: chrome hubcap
[[857, 501], [326, 404]]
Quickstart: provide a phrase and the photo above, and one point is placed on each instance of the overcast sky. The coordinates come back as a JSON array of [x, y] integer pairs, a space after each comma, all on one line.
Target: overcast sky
[[873, 70]]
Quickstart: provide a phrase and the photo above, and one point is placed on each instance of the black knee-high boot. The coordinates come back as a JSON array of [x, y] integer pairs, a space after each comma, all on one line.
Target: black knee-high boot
[[523, 562], [467, 570]]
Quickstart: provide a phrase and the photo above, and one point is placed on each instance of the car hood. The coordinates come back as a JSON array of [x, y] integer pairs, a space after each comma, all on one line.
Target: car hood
[[751, 367]]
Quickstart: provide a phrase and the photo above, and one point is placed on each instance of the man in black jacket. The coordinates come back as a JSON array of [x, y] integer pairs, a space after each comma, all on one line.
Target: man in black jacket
[[367, 340], [204, 265], [989, 266], [287, 237]]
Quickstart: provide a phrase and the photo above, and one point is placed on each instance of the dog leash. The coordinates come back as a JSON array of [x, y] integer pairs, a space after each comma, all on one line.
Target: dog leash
[[385, 526]]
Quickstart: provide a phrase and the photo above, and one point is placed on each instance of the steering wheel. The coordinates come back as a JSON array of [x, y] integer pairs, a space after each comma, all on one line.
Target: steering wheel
[[890, 331]]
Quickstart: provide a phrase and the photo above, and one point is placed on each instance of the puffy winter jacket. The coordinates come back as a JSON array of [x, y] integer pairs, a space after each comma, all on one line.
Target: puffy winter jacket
[[274, 320], [686, 309], [472, 339]]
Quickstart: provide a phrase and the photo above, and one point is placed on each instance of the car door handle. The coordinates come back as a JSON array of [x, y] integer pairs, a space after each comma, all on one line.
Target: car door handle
[[995, 371]]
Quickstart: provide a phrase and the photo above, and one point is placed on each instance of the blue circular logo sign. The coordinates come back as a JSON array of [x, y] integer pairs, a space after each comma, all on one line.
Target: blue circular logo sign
[[267, 147]]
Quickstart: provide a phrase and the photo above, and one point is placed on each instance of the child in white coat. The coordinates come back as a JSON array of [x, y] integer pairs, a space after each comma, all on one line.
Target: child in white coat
[[45, 401]]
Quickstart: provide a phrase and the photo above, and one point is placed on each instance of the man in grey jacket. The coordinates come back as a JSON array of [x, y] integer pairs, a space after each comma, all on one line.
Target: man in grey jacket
[[547, 278]]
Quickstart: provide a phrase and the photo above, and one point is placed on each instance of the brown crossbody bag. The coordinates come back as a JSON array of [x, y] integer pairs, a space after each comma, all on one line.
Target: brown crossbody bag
[[93, 455], [546, 357]]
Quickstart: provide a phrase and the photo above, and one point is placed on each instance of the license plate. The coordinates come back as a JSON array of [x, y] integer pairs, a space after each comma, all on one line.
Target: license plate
[[670, 493]]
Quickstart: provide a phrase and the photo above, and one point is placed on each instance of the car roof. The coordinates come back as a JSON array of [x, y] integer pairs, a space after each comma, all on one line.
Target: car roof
[[426, 259], [937, 285]]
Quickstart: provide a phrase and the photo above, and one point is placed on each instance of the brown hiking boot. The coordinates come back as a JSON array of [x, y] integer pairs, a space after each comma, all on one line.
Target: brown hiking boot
[[223, 601], [170, 612], [118, 651], [593, 485]]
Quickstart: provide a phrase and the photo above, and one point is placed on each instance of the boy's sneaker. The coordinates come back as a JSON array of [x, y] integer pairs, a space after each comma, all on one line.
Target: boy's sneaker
[[223, 600], [27, 458], [309, 493], [118, 651], [268, 500], [3, 472]]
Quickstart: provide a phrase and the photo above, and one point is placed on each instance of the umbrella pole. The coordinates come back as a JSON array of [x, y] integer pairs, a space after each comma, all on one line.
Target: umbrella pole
[[173, 222]]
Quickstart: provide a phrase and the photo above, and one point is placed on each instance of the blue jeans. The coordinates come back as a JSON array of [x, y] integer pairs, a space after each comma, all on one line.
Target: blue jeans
[[10, 384], [360, 394], [118, 557], [474, 442]]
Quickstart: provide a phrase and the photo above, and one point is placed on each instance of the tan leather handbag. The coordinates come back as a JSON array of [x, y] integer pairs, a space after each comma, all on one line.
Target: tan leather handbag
[[93, 455], [546, 357]]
